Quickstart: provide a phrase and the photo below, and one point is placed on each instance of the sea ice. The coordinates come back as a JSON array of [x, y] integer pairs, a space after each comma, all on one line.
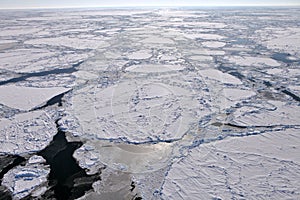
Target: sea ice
[[253, 61], [281, 114], [157, 40], [26, 98], [76, 43], [140, 110], [220, 76], [154, 68], [213, 44], [140, 55], [168, 103], [24, 180], [249, 167], [204, 36], [26, 132]]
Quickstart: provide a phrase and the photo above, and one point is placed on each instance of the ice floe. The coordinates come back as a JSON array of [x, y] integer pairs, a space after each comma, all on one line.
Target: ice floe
[[204, 36], [26, 98], [140, 55], [248, 167], [220, 76], [25, 180], [154, 68], [213, 44], [26, 132], [281, 114], [140, 110], [76, 43], [253, 61]]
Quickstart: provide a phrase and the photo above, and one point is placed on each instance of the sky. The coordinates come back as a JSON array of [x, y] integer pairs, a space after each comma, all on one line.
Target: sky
[[4, 4]]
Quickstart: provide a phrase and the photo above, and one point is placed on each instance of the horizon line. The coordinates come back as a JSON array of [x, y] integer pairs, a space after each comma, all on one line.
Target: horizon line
[[150, 6]]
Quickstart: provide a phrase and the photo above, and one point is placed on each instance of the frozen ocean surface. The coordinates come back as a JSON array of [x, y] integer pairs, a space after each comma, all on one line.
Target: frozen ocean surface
[[150, 103]]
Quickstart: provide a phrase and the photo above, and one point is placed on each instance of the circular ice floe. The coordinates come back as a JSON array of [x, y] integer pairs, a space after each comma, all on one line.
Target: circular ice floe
[[159, 108], [139, 108], [142, 114]]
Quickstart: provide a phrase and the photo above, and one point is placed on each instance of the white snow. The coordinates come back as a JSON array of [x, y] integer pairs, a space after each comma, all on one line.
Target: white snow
[[77, 43], [140, 109], [14, 58], [147, 68], [264, 166], [150, 104], [23, 180], [213, 44], [212, 25], [204, 36], [206, 52], [253, 61], [26, 133], [18, 31], [34, 59], [36, 159], [234, 94], [288, 41], [220, 76], [26, 98], [7, 41], [88, 158], [113, 185], [201, 58], [157, 40], [281, 114], [143, 54], [274, 71]]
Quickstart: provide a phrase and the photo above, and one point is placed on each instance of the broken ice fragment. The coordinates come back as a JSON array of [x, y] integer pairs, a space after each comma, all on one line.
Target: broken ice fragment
[[23, 180], [26, 132]]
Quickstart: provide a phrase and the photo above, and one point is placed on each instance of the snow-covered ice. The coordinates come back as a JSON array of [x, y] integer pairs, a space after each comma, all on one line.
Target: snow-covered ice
[[253, 61], [153, 68], [140, 110], [26, 98], [220, 76], [204, 36], [213, 44], [70, 42], [26, 132], [254, 167], [155, 103], [279, 114], [140, 55], [24, 180]]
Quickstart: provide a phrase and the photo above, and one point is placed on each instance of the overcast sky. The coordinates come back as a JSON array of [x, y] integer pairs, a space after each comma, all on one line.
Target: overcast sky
[[121, 3]]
